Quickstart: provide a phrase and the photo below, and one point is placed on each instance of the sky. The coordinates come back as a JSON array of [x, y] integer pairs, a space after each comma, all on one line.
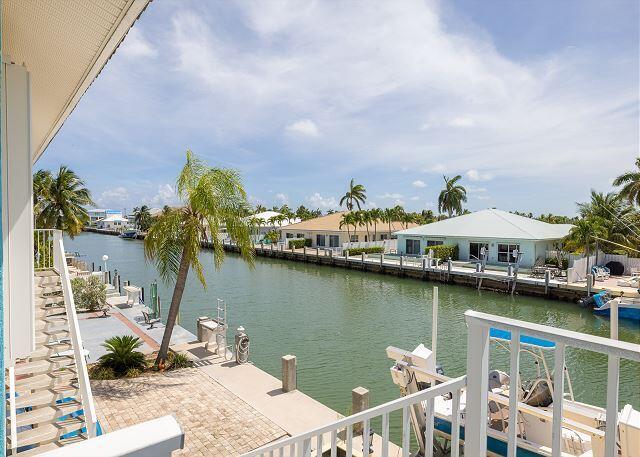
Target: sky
[[533, 103]]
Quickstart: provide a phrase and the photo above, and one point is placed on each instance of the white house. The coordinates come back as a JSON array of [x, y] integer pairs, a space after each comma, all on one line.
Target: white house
[[113, 222], [266, 223], [499, 232]]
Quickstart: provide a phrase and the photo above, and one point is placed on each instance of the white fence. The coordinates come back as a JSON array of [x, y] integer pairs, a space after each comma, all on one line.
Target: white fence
[[579, 264], [306, 443], [388, 245]]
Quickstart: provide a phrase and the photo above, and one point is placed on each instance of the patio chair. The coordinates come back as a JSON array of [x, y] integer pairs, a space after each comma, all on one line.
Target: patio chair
[[148, 320]]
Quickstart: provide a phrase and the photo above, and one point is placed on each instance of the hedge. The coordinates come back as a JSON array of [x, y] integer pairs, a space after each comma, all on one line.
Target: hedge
[[554, 261], [372, 250], [300, 243], [443, 251]]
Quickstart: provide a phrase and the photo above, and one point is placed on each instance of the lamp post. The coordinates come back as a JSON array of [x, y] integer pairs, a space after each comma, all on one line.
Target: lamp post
[[104, 259]]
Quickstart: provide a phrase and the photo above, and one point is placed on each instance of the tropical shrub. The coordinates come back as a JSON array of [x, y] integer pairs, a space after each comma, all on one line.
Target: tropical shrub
[[444, 251], [121, 354], [272, 236], [100, 373], [371, 250], [300, 243], [178, 361], [89, 293], [133, 373], [554, 261]]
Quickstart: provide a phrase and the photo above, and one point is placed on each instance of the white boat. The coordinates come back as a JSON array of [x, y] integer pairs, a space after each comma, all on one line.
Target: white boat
[[583, 430]]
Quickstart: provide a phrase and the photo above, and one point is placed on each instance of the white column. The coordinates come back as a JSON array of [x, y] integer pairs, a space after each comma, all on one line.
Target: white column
[[477, 385]]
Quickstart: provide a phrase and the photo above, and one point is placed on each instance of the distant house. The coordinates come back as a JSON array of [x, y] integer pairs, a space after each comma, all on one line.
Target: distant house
[[96, 214], [499, 232], [266, 223], [113, 222], [325, 231]]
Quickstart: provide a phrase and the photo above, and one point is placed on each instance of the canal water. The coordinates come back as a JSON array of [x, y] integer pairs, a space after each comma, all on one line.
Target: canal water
[[338, 322]]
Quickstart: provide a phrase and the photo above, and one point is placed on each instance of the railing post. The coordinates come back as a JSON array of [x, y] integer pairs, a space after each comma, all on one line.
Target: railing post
[[477, 388]]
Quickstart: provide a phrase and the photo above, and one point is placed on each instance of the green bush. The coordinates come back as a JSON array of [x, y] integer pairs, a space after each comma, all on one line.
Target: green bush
[[121, 354], [554, 261], [133, 373], [300, 243], [443, 251], [176, 361], [272, 236], [100, 373], [89, 293], [372, 250]]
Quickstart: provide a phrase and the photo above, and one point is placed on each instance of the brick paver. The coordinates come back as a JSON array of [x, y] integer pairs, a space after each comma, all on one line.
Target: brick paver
[[215, 421]]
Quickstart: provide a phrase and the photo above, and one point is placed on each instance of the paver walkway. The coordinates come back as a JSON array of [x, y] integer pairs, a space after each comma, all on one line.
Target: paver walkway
[[215, 421]]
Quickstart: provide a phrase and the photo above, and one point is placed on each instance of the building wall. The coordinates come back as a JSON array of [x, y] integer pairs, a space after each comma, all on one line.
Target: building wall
[[531, 250]]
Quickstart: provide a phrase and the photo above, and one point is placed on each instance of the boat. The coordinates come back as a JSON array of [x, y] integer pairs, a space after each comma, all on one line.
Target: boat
[[583, 429], [628, 308], [130, 234]]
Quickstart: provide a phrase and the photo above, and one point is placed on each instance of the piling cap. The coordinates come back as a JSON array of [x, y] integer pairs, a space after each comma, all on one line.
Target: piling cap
[[240, 329]]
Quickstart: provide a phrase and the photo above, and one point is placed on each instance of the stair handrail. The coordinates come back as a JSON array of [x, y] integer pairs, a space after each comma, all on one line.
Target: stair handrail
[[12, 409], [88, 406]]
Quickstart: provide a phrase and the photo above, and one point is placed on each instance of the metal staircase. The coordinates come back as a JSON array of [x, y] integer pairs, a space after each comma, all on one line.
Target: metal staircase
[[49, 403]]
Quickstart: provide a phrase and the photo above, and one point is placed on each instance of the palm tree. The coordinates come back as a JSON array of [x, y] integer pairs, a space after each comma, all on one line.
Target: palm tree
[[142, 217], [630, 181], [356, 194], [583, 235], [347, 220], [61, 201], [452, 196], [388, 216], [376, 216], [364, 217], [260, 208], [211, 198]]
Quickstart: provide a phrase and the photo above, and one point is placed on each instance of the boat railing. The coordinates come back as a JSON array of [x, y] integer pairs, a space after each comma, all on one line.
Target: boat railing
[[477, 394], [60, 264], [354, 430]]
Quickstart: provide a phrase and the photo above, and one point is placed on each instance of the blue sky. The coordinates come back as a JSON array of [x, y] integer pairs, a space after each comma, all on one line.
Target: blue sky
[[533, 102]]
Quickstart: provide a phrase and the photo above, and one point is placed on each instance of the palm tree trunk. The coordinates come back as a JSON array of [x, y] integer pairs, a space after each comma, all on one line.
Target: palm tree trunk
[[181, 280]]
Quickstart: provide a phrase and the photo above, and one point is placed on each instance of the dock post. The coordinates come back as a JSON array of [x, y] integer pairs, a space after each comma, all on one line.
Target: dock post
[[363, 257], [547, 278], [304, 253], [589, 284], [359, 403], [289, 381], [449, 267], [381, 259], [401, 257], [318, 254]]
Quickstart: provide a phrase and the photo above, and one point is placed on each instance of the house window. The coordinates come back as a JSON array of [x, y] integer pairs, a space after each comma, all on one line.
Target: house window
[[434, 243], [334, 241], [299, 235], [289, 235], [384, 236], [354, 238], [413, 247], [320, 239], [505, 252]]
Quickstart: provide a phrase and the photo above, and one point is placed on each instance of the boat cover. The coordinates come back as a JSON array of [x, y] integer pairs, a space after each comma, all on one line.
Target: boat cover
[[505, 335]]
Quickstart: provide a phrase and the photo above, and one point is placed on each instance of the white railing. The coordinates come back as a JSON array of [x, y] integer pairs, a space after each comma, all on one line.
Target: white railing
[[477, 394], [12, 409], [301, 445], [43, 243], [60, 264]]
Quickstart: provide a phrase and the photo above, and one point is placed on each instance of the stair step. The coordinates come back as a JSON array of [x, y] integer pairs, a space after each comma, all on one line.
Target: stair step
[[47, 433], [42, 301], [47, 414], [45, 273], [48, 289], [50, 311], [47, 352], [55, 329], [53, 323], [39, 450], [43, 339], [40, 281], [42, 366], [45, 381], [46, 396]]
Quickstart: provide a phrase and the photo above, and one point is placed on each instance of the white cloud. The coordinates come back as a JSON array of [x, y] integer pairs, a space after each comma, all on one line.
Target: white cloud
[[135, 45], [475, 175], [335, 65], [318, 201], [414, 198], [476, 190], [418, 183], [282, 198], [166, 195], [303, 127], [393, 196], [114, 197]]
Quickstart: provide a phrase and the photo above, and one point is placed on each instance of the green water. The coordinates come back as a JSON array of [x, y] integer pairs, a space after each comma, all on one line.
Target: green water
[[338, 322]]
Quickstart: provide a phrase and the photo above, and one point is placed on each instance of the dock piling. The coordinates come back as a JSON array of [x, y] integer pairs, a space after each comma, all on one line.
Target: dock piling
[[289, 375], [547, 278], [359, 403], [589, 285]]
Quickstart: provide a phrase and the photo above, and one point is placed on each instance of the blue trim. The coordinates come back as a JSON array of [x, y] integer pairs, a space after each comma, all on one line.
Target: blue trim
[[524, 339]]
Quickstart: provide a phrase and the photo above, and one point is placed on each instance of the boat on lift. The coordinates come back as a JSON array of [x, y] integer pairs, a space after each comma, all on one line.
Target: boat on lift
[[131, 234], [628, 308], [583, 425]]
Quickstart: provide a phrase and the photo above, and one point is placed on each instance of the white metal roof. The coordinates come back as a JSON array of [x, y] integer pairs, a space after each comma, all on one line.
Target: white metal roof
[[491, 223], [114, 218], [64, 45]]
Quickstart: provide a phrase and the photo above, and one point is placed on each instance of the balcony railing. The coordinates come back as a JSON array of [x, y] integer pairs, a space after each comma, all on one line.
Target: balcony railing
[[477, 397], [303, 444], [43, 252], [60, 265]]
